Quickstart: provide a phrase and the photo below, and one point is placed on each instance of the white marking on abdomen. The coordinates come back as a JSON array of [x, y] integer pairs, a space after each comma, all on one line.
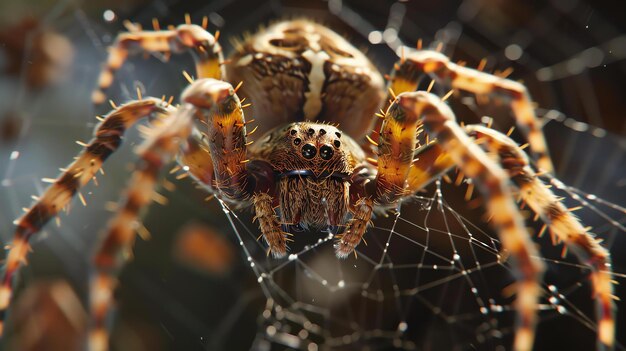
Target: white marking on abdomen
[[313, 98]]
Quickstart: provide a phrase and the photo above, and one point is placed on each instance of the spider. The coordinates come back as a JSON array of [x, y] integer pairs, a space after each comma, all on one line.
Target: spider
[[315, 98]]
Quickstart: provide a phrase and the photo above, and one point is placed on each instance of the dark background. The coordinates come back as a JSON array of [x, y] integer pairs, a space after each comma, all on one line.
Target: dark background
[[165, 305]]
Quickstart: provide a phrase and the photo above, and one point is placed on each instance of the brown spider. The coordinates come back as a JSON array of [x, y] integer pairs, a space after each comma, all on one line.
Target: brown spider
[[317, 173]]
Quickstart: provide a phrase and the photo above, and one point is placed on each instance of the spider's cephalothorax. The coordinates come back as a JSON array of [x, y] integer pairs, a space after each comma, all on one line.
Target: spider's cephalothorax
[[314, 96], [313, 164]]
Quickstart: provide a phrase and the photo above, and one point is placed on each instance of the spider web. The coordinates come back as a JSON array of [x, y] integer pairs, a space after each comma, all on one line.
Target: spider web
[[432, 275]]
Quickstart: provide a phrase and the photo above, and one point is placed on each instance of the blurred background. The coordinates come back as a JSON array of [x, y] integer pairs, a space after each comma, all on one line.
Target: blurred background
[[193, 286]]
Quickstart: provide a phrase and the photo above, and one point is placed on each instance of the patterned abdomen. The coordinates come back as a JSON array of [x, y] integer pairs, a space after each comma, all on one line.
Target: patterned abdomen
[[302, 71]]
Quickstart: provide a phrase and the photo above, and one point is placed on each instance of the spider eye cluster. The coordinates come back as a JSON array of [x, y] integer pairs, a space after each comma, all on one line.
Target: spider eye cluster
[[309, 150]]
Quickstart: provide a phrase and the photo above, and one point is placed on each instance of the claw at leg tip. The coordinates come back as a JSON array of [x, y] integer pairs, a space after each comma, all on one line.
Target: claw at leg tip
[[343, 250]]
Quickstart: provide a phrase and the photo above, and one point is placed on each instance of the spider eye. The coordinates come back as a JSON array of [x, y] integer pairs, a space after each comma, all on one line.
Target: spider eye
[[293, 132], [337, 143], [309, 151], [326, 152], [297, 141]]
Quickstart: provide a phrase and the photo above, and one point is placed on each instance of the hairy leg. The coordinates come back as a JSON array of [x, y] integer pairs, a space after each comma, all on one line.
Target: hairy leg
[[416, 63], [209, 97], [108, 137], [432, 161], [439, 122], [352, 236], [396, 146], [120, 235], [218, 159], [227, 139], [196, 159], [562, 224], [275, 237], [206, 51]]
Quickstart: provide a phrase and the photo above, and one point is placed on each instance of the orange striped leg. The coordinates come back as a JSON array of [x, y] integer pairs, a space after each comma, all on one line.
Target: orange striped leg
[[439, 122], [430, 162], [226, 136], [108, 137], [562, 223], [121, 231], [434, 161], [417, 62], [205, 48], [196, 159], [396, 146], [207, 96]]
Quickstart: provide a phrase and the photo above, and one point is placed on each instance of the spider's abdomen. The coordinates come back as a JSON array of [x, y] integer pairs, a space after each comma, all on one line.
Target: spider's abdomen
[[302, 71]]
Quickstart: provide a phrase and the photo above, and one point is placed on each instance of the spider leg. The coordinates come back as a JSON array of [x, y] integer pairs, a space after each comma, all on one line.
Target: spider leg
[[396, 147], [108, 137], [196, 159], [226, 137], [351, 237], [562, 223], [430, 162], [209, 97], [270, 225], [223, 166], [433, 161], [206, 51], [439, 122], [407, 72]]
